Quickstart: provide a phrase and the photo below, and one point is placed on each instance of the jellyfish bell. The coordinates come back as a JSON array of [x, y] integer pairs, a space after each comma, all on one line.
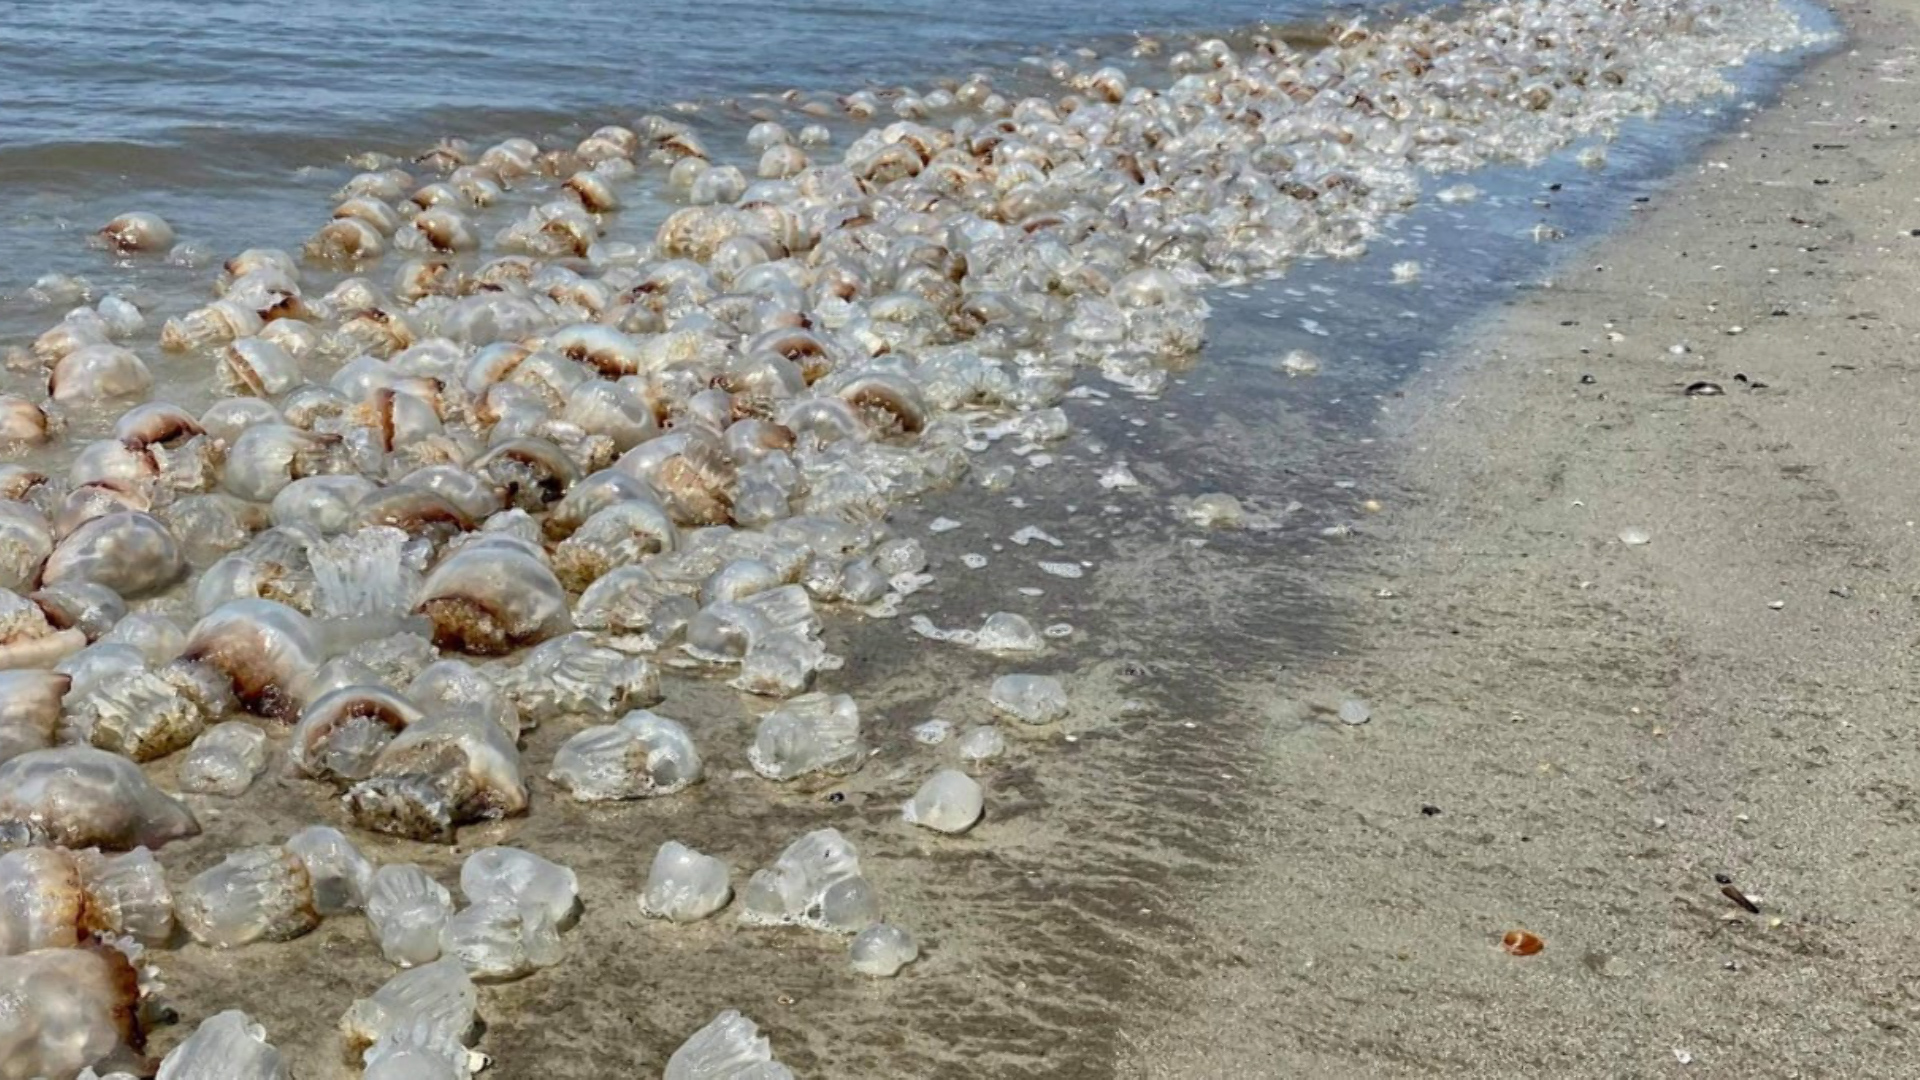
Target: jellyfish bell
[[98, 373], [137, 232]]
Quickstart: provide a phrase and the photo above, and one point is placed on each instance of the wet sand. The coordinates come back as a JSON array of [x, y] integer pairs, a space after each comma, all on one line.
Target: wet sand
[[1574, 735]]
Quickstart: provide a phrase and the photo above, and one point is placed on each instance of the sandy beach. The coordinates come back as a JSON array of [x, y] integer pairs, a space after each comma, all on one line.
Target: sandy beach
[[1583, 737], [1682, 761]]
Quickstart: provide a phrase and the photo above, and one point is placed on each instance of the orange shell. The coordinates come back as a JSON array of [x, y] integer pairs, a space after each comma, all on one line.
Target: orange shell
[[1522, 942]]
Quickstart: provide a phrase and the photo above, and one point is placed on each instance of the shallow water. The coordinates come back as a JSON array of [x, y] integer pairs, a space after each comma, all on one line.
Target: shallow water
[[233, 120]]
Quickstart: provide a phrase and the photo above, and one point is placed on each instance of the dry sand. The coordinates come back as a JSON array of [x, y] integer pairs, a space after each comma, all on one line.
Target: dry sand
[[1600, 729]]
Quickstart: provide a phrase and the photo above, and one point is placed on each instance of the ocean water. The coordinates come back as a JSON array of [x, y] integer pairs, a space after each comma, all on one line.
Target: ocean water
[[234, 119]]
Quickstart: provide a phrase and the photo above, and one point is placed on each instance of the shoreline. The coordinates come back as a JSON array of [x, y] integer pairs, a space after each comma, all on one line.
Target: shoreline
[[1574, 736]]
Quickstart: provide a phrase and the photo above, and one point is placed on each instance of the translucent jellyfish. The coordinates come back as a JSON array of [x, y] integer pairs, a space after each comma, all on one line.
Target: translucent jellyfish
[[1030, 699], [1005, 632], [432, 1006], [504, 873], [811, 733], [882, 949], [643, 756], [126, 895], [227, 1046], [780, 665], [68, 1009], [41, 901], [408, 910], [339, 874], [981, 743], [438, 774], [82, 797], [1216, 511], [932, 732], [949, 802], [254, 894], [729, 1048], [685, 885], [224, 760], [815, 883], [572, 676], [500, 939]]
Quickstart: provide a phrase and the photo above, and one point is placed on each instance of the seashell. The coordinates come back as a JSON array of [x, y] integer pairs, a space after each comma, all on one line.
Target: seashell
[[572, 676], [408, 909], [816, 882], [83, 797], [129, 552], [438, 774], [97, 373], [137, 232], [69, 1009], [22, 421], [489, 599], [254, 894], [341, 734], [643, 756]]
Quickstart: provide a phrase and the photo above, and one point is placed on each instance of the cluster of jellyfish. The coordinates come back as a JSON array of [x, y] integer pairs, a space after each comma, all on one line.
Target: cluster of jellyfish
[[473, 465]]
